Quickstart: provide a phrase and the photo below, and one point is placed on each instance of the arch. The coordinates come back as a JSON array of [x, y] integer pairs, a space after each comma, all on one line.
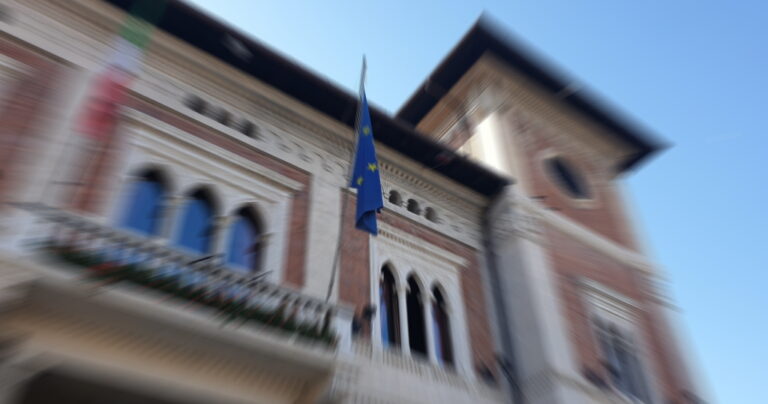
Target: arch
[[143, 212], [413, 206], [389, 308], [196, 229], [195, 103], [220, 115], [246, 238], [442, 327], [417, 334], [247, 128], [430, 214], [395, 198]]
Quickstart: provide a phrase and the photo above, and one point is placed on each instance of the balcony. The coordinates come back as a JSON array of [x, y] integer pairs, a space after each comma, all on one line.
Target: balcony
[[101, 298], [105, 256]]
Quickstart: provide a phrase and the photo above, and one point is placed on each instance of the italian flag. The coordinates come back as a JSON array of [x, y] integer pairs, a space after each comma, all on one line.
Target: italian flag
[[109, 87]]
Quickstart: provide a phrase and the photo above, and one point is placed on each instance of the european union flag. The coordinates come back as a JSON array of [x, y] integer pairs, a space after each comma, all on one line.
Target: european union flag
[[365, 173]]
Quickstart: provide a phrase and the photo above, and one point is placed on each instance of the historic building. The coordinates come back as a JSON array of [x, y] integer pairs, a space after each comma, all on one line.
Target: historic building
[[188, 256]]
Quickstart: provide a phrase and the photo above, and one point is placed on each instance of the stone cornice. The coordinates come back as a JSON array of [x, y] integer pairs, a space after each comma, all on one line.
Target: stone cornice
[[138, 119], [422, 249], [586, 236]]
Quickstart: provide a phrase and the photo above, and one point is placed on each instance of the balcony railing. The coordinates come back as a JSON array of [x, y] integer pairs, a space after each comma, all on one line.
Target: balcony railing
[[106, 256]]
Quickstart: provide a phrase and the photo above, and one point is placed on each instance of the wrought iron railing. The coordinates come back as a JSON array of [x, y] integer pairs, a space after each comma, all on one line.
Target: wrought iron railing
[[107, 255]]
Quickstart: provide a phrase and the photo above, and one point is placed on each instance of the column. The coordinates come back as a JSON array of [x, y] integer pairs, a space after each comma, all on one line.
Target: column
[[170, 222], [524, 284], [220, 236], [402, 310], [430, 326]]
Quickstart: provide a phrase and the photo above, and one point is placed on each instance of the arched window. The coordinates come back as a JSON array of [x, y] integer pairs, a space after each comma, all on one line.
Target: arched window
[[395, 198], [245, 239], [430, 214], [417, 336], [413, 206], [195, 103], [389, 313], [196, 229], [442, 327], [145, 204]]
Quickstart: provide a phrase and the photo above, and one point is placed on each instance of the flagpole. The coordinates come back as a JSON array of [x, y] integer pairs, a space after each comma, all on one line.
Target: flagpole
[[344, 197]]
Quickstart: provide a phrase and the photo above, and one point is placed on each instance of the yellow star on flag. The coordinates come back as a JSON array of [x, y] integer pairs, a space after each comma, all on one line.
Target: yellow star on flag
[[366, 130], [359, 180], [372, 166]]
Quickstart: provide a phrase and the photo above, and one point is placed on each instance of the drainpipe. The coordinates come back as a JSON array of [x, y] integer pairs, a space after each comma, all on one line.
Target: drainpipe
[[506, 360]]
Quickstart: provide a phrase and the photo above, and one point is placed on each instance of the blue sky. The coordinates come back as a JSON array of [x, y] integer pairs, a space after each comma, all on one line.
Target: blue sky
[[694, 72]]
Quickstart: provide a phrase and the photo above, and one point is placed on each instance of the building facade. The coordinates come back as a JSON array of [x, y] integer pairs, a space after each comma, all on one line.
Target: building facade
[[190, 255]]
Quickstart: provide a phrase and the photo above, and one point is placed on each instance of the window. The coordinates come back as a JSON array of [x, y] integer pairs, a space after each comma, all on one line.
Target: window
[[390, 315], [413, 206], [220, 115], [144, 209], [430, 214], [621, 362], [442, 328], [567, 178], [196, 104], [196, 229], [416, 332], [247, 128], [395, 198], [245, 239]]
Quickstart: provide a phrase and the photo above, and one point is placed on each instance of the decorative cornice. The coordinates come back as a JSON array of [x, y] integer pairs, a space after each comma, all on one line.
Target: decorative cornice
[[139, 119], [610, 300], [421, 248]]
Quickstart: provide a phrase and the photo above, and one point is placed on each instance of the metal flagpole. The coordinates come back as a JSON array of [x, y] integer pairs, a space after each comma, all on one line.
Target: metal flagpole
[[336, 256]]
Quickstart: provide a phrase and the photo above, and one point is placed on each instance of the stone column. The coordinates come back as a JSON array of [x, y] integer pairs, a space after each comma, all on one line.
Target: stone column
[[402, 309], [170, 221], [220, 236], [429, 326], [524, 287]]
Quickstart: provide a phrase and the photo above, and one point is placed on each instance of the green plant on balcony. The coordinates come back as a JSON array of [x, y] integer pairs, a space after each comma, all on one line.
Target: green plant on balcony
[[101, 268]]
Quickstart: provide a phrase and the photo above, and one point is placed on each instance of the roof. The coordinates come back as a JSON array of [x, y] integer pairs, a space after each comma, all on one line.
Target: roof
[[484, 38], [210, 35]]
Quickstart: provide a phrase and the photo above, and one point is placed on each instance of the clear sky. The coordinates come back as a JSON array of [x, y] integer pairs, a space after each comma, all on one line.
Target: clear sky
[[693, 71]]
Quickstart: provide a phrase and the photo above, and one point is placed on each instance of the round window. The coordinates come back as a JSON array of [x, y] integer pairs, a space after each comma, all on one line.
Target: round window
[[567, 178]]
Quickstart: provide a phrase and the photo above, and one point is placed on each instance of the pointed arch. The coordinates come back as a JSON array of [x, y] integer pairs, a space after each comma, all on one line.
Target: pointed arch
[[389, 308], [417, 334], [442, 326]]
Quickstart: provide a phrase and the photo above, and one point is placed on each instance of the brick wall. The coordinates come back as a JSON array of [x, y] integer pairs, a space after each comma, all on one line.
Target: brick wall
[[571, 260], [604, 216], [23, 113], [354, 280]]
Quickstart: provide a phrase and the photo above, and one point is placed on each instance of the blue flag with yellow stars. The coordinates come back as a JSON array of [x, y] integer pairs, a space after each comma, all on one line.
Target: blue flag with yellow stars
[[365, 173]]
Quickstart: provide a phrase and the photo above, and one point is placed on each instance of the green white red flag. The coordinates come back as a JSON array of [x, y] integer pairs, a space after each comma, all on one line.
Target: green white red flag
[[110, 86]]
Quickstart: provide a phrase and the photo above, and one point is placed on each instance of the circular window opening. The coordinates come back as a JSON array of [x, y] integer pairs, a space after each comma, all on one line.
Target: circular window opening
[[567, 178]]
